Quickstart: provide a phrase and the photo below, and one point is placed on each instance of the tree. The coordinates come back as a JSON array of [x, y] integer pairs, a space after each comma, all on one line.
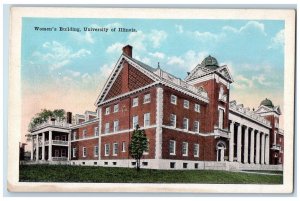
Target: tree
[[138, 145], [44, 115]]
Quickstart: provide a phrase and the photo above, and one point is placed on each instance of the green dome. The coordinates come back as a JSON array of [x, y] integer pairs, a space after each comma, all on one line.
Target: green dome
[[210, 62], [267, 103]]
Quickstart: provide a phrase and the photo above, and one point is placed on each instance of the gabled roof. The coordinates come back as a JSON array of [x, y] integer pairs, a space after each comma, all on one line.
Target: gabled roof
[[156, 74], [201, 70], [264, 109]]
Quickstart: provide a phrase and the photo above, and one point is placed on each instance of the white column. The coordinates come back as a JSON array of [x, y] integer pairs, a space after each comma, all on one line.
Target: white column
[[43, 147], [257, 155], [32, 147], [69, 145], [37, 148], [246, 145], [262, 156], [239, 143], [50, 146], [159, 122], [252, 133], [231, 141], [267, 149]]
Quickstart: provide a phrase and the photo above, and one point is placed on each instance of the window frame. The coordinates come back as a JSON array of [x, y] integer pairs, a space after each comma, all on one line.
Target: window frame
[[84, 152], [173, 153], [135, 102], [196, 130], [107, 110], [115, 148], [116, 108], [147, 100], [123, 146], [96, 131], [107, 129], [74, 152], [145, 115], [175, 119], [186, 153], [106, 149], [186, 104], [116, 128], [187, 124], [196, 145], [197, 108], [137, 118], [96, 151], [175, 99]]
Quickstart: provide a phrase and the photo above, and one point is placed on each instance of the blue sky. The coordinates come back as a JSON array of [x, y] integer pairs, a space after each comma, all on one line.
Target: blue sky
[[73, 66]]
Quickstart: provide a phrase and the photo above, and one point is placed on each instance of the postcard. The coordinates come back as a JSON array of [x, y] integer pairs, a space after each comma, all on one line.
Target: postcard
[[151, 100]]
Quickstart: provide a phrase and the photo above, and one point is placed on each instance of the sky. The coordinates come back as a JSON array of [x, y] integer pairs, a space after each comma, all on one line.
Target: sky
[[67, 69]]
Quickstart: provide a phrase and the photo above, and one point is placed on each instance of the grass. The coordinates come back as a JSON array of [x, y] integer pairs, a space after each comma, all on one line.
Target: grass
[[66, 173]]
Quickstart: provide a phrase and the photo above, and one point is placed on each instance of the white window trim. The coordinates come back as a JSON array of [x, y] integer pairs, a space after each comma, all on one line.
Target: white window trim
[[115, 154], [198, 126], [175, 103], [133, 102], [197, 145], [107, 110], [133, 125], [174, 120], [74, 152], [84, 154], [187, 149], [96, 131], [148, 120], [197, 106], [116, 107], [187, 124], [96, 154], [123, 146], [173, 154], [145, 100], [188, 104], [74, 135], [105, 153], [148, 146], [107, 130], [116, 130]]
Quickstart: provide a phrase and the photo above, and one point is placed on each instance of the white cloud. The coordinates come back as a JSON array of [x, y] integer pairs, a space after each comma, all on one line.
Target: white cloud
[[137, 40], [156, 37], [251, 25], [116, 47], [174, 60], [83, 37], [158, 55], [55, 55], [179, 28], [278, 40], [206, 36]]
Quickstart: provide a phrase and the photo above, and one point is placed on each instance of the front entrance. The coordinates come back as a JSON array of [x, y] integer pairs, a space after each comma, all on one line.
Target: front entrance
[[221, 151]]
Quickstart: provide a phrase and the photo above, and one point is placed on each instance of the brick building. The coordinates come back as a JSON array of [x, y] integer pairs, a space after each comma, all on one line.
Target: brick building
[[189, 124]]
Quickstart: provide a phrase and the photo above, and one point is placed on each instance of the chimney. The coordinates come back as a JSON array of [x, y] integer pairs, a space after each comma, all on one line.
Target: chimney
[[69, 117], [127, 50]]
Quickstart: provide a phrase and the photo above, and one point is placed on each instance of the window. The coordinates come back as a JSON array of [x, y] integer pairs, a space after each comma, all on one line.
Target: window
[[197, 108], [135, 102], [133, 163], [186, 104], [84, 133], [145, 163], [84, 151], [146, 119], [64, 138], [196, 165], [114, 163], [56, 138], [95, 163], [74, 135], [105, 163], [174, 99], [184, 165], [196, 126], [116, 125], [96, 132], [115, 150], [63, 153], [196, 150], [172, 147], [106, 146], [74, 152], [147, 151], [96, 151], [135, 121], [172, 165], [221, 118], [147, 98], [185, 148], [123, 146], [173, 120], [185, 124], [107, 128], [107, 110], [116, 108]]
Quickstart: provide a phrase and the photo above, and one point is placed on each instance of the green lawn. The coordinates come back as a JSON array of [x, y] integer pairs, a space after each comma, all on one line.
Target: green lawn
[[65, 173]]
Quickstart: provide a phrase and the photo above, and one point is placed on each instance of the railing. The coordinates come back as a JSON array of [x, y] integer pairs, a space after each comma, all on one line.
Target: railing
[[57, 142], [61, 124], [276, 147], [221, 132], [63, 158]]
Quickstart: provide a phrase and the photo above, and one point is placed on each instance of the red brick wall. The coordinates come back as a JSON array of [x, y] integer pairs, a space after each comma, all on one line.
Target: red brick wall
[[90, 130], [211, 111], [207, 149], [89, 144], [126, 111], [180, 111], [128, 79], [126, 137]]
